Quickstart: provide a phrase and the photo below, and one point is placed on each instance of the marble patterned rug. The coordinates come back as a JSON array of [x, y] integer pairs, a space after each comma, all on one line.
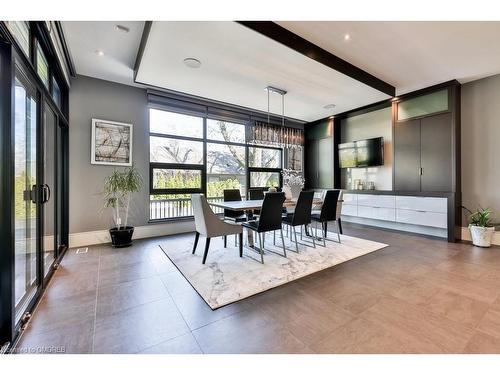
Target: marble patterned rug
[[227, 278]]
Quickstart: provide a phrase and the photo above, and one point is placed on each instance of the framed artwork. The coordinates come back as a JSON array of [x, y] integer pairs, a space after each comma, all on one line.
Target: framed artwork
[[294, 158], [111, 143]]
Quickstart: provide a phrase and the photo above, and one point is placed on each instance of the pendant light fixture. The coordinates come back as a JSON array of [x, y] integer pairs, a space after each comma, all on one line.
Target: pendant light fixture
[[282, 136]]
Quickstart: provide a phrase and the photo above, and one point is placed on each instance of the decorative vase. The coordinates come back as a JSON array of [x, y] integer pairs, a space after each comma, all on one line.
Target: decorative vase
[[295, 190], [481, 236], [287, 191]]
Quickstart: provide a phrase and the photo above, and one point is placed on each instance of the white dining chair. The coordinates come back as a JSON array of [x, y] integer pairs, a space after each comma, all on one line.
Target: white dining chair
[[209, 225]]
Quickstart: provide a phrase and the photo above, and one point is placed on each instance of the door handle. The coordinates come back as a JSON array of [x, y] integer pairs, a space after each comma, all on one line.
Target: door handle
[[45, 193]]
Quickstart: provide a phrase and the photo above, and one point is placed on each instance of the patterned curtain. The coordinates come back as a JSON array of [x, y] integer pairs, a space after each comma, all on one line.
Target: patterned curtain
[[275, 135]]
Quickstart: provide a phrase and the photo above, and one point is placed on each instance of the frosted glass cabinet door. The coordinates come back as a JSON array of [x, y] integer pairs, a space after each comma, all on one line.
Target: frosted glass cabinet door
[[423, 105], [325, 163]]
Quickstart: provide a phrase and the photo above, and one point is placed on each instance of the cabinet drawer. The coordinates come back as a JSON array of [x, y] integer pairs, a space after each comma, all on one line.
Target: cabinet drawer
[[427, 218], [371, 200], [349, 209], [379, 213], [429, 204], [350, 198]]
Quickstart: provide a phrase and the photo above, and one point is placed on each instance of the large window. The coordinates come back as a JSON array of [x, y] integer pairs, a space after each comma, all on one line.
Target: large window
[[191, 154], [264, 165]]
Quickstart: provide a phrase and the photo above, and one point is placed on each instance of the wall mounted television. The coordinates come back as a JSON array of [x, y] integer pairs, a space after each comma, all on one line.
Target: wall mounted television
[[361, 154]]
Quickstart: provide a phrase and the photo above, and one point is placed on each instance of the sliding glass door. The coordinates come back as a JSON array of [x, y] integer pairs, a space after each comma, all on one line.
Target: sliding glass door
[[25, 193]]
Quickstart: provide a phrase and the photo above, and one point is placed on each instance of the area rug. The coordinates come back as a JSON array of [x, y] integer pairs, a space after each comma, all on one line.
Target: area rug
[[226, 278]]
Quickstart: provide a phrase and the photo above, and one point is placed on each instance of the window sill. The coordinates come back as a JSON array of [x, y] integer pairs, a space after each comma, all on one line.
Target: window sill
[[171, 220]]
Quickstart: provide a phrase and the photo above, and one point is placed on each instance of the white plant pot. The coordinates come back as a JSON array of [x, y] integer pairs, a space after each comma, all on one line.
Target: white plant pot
[[287, 191], [295, 190], [481, 236]]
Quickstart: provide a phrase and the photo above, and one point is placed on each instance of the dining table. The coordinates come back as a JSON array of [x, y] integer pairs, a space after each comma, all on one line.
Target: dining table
[[249, 205]]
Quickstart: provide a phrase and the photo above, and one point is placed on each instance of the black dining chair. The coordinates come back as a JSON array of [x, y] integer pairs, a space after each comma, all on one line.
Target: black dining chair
[[328, 213], [233, 195], [301, 215], [269, 220]]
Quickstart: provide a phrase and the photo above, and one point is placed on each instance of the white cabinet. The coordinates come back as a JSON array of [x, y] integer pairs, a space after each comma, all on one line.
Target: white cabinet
[[423, 211], [349, 209], [371, 200], [350, 199], [378, 213], [427, 218], [428, 204]]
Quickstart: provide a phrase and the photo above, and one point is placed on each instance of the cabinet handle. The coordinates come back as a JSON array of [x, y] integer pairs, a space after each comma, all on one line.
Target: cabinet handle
[[421, 171], [420, 211]]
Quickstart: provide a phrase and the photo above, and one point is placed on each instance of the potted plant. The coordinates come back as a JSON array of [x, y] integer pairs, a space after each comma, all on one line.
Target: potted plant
[[118, 188], [481, 226]]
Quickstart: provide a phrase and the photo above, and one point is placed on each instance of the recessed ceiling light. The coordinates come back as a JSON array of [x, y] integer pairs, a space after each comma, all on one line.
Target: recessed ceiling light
[[123, 29], [347, 37], [191, 62], [98, 52], [329, 106]]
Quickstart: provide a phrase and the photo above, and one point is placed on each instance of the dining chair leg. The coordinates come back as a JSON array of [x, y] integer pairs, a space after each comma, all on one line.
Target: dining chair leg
[[325, 225], [324, 239], [240, 235], [274, 237], [314, 242], [338, 230], [261, 249], [296, 243], [301, 232], [235, 240], [225, 241], [339, 221], [263, 240], [196, 238], [207, 245], [283, 242]]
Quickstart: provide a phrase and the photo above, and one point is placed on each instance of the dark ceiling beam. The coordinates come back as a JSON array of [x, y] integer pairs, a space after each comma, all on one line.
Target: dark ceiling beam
[[142, 46], [281, 35]]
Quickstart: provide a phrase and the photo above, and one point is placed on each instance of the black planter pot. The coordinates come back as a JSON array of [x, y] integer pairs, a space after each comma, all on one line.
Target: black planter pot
[[121, 237]]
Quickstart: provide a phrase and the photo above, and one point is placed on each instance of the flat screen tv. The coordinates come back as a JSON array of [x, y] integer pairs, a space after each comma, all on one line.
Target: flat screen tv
[[362, 154]]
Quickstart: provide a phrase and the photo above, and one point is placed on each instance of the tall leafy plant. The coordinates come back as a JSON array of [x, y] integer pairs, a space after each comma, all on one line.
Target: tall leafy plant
[[118, 188]]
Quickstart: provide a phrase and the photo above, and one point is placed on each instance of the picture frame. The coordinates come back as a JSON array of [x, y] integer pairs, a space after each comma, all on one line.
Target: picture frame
[[294, 158], [111, 143]]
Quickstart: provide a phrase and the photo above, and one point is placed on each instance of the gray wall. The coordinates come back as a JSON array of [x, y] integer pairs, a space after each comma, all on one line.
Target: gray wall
[[480, 143], [92, 98], [370, 125]]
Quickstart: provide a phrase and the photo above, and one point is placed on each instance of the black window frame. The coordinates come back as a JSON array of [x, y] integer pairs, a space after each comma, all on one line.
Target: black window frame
[[264, 169]]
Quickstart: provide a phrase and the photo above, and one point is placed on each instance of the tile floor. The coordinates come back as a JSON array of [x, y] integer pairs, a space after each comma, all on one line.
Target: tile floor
[[419, 295]]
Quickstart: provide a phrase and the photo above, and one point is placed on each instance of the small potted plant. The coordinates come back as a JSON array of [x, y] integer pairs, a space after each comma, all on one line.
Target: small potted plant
[[481, 226], [118, 188]]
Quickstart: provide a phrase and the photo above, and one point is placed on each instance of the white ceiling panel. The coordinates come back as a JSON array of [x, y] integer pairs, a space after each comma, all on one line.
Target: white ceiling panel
[[119, 48], [410, 55], [237, 65]]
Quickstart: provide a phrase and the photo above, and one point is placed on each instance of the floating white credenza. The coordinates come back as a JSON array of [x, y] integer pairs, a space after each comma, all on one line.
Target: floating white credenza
[[418, 214]]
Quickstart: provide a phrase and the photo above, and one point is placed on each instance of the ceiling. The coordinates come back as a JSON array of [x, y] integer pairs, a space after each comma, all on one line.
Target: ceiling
[[410, 55], [120, 48], [237, 65]]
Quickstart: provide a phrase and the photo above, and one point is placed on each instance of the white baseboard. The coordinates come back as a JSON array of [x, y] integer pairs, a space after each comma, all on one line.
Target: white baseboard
[[466, 236], [145, 231]]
